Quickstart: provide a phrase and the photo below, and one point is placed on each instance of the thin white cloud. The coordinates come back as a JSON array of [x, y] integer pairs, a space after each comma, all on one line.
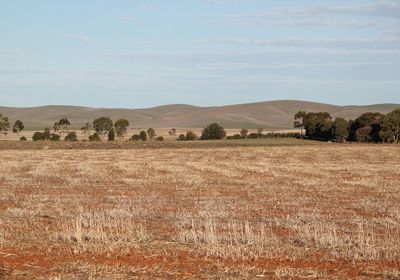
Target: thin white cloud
[[386, 42], [77, 37], [127, 18]]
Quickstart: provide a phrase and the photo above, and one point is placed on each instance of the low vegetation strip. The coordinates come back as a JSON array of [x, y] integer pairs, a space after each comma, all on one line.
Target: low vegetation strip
[[303, 211]]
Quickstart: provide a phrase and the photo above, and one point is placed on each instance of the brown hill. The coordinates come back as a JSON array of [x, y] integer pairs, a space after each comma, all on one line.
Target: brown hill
[[271, 114]]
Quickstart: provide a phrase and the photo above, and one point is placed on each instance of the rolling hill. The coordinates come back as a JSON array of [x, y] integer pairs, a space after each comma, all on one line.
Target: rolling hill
[[270, 114]]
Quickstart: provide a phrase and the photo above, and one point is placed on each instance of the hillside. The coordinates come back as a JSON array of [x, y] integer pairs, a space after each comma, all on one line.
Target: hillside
[[270, 114]]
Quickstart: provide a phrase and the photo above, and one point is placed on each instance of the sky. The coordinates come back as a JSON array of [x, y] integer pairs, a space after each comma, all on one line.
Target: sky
[[143, 53]]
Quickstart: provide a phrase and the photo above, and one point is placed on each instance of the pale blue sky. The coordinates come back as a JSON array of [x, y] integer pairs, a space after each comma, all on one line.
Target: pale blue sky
[[128, 53]]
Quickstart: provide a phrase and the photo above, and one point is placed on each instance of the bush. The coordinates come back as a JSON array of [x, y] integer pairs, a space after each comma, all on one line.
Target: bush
[[135, 137], [143, 135], [190, 136], [23, 138], [95, 138], [213, 132], [111, 135], [253, 136], [234, 137], [38, 136], [54, 137], [71, 137], [160, 138], [181, 137]]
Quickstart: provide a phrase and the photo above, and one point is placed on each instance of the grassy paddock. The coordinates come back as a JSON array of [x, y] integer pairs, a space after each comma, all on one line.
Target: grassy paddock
[[262, 211]]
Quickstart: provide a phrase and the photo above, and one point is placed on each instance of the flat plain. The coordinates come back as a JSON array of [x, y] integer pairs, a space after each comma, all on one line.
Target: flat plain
[[296, 211]]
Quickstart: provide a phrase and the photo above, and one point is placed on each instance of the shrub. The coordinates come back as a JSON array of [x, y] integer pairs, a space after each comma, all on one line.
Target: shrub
[[143, 135], [190, 136], [160, 138], [94, 138], [253, 136], [54, 137], [71, 137], [38, 136], [135, 137], [181, 137], [23, 138], [213, 132], [151, 132], [234, 137], [111, 135]]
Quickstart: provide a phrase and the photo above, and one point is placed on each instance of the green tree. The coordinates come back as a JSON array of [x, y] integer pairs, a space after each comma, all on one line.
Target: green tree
[[47, 133], [4, 124], [151, 133], [102, 125], [299, 120], [213, 132], [95, 137], [71, 137], [121, 126], [143, 135], [244, 133], [18, 126], [172, 132], [391, 127], [54, 137], [86, 128], [190, 136], [317, 125], [369, 119], [111, 135], [363, 134], [340, 129], [38, 136]]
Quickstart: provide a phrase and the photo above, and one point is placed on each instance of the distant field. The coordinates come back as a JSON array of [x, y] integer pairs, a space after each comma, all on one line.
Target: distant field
[[289, 211]]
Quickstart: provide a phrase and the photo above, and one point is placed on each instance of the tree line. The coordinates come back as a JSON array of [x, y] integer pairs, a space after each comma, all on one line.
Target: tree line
[[369, 127], [104, 129]]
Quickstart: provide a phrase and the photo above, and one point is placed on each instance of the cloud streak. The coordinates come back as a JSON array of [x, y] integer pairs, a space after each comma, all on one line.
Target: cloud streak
[[76, 37]]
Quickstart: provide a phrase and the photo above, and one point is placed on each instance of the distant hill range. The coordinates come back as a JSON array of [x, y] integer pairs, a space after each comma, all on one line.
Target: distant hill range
[[270, 114]]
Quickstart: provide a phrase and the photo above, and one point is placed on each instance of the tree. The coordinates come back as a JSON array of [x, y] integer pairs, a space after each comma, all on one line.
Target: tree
[[86, 128], [47, 133], [160, 138], [181, 137], [244, 133], [151, 132], [363, 134], [54, 137], [299, 120], [95, 137], [190, 136], [172, 132], [391, 127], [213, 132], [121, 126], [317, 125], [102, 125], [369, 119], [111, 135], [260, 131], [4, 124], [56, 126], [71, 137], [18, 126], [340, 129], [143, 135], [38, 136]]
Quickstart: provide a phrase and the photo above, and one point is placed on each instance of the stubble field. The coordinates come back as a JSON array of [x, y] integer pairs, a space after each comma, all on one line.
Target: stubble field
[[284, 212]]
